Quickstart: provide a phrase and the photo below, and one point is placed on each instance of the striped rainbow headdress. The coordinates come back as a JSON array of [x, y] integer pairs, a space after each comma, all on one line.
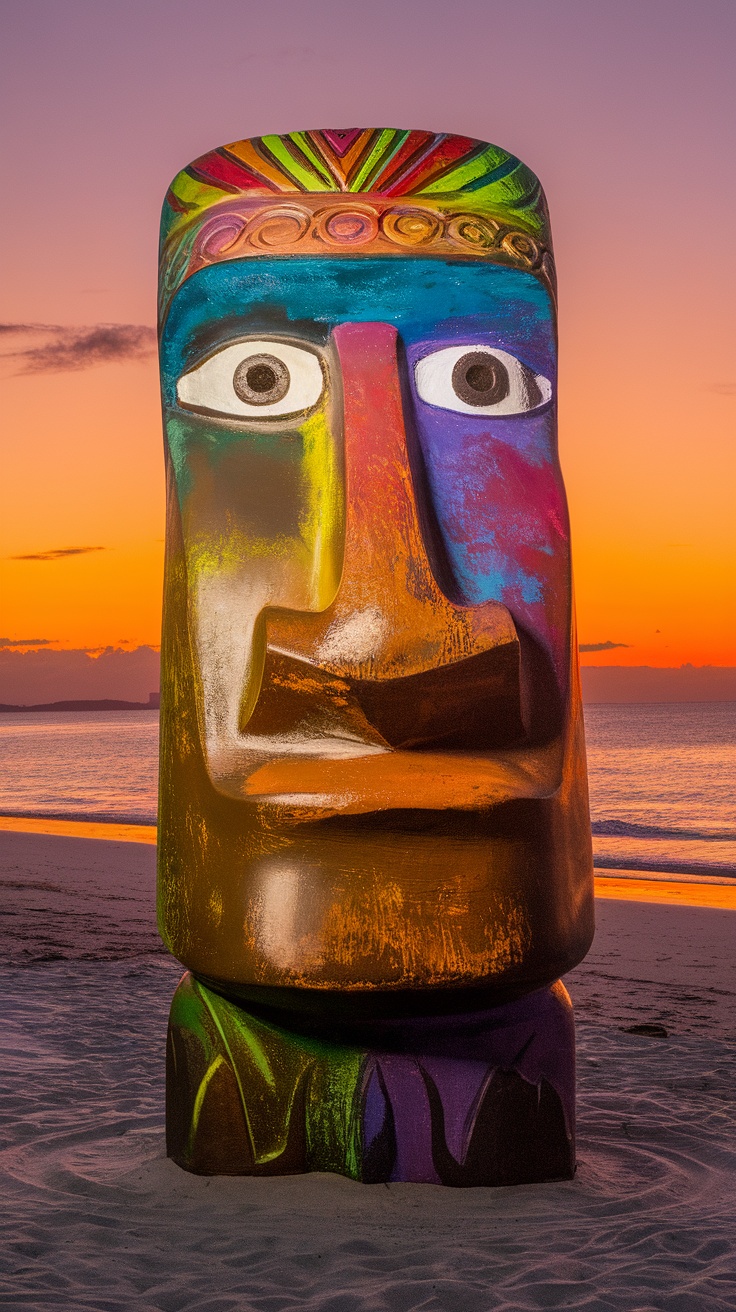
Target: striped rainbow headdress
[[354, 191]]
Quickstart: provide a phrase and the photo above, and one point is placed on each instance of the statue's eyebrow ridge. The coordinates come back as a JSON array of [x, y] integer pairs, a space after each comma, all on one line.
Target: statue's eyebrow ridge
[[216, 332]]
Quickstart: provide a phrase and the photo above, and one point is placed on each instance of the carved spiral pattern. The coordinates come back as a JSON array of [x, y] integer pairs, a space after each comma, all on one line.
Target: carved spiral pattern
[[521, 247], [348, 226], [473, 230], [411, 227], [283, 226], [219, 234]]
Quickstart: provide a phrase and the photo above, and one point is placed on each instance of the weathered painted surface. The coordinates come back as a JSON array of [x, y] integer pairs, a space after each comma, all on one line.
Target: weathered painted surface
[[373, 779]]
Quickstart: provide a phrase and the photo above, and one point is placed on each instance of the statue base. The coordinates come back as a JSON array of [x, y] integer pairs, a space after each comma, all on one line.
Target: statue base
[[482, 1098]]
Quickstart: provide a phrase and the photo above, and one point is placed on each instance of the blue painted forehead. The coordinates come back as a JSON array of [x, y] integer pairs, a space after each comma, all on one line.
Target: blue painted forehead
[[425, 299]]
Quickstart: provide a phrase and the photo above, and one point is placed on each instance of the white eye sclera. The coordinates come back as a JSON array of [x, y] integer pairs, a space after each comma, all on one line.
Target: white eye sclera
[[254, 379], [479, 380]]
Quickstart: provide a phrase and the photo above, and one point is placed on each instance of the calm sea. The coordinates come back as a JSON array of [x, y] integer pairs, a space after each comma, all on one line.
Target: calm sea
[[662, 778]]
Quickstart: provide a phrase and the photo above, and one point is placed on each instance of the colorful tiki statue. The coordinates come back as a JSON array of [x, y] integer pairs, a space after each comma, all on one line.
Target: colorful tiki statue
[[374, 852]]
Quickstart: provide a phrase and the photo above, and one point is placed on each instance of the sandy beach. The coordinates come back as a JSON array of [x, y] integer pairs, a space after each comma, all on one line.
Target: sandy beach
[[95, 1217]]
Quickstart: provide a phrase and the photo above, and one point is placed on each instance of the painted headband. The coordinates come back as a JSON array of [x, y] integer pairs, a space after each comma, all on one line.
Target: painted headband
[[402, 193]]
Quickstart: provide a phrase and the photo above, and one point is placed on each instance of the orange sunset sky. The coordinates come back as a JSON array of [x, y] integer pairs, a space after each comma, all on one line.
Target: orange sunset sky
[[623, 110]]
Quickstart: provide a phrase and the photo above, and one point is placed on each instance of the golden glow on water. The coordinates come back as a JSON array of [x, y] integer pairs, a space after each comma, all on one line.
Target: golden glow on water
[[20, 824], [675, 892]]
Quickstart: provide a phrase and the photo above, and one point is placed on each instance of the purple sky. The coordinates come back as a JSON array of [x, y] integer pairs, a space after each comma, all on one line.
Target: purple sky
[[626, 112]]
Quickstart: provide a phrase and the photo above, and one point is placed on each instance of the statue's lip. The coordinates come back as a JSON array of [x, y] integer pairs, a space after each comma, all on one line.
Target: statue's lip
[[315, 787], [320, 744]]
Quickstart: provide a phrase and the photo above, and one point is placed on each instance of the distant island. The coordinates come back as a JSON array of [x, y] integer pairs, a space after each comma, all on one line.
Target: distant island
[[107, 704]]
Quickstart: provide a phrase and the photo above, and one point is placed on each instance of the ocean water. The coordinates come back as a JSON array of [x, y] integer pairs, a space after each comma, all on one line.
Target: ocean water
[[81, 765], [663, 786], [662, 778]]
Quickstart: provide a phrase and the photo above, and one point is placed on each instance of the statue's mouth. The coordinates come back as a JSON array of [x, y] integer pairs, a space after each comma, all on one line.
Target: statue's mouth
[[469, 705], [446, 737]]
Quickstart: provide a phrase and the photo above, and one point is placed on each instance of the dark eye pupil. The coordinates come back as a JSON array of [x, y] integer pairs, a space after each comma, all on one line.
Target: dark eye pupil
[[261, 380], [480, 379]]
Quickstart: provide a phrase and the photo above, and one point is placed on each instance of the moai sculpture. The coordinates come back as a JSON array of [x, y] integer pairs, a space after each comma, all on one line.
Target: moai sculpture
[[374, 844]]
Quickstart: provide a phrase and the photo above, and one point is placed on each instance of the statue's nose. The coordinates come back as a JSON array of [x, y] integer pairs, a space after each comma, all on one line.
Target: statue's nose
[[390, 618]]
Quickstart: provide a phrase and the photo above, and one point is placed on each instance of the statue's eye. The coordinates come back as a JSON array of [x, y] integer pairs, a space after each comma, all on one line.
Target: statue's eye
[[254, 379], [480, 380]]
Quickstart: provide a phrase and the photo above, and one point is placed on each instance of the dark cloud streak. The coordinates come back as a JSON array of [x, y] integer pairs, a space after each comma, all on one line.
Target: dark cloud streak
[[57, 553], [601, 646], [26, 642], [38, 348]]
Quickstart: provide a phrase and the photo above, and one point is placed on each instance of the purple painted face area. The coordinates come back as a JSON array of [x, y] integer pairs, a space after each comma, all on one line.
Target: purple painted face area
[[496, 486], [497, 492]]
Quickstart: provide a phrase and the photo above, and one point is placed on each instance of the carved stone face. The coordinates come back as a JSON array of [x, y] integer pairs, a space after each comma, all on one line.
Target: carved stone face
[[373, 772]]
